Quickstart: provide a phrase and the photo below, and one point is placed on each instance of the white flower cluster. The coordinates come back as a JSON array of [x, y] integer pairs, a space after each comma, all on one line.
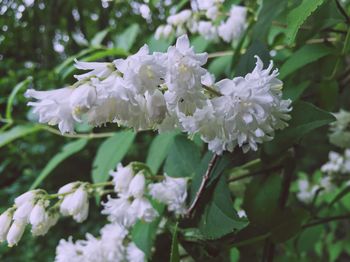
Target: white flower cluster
[[307, 190], [123, 212], [337, 163], [112, 246], [132, 205], [340, 129], [208, 19], [171, 90], [33, 207]]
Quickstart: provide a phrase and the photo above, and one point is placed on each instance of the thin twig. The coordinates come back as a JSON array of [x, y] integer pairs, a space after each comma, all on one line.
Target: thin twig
[[88, 136], [326, 220], [255, 173], [219, 54], [204, 183], [343, 12]]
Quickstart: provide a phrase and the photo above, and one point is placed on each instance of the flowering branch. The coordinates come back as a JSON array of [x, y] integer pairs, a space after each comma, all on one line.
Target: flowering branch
[[326, 220], [204, 183]]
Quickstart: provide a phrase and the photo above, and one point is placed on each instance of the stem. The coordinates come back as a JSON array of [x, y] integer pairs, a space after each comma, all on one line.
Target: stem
[[326, 220], [258, 172], [102, 184], [88, 136], [343, 12], [220, 53], [204, 183]]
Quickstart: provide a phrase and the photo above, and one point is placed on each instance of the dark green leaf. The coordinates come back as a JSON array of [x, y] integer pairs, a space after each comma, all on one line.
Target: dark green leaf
[[219, 217], [340, 195], [159, 149], [110, 153], [305, 55], [67, 150], [183, 158], [15, 90], [98, 38], [298, 15], [305, 118], [294, 92]]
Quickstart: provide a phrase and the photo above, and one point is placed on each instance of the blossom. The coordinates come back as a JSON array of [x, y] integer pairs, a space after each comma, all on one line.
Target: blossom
[[142, 209], [179, 18], [334, 164], [38, 214], [163, 31], [207, 30], [76, 204], [117, 210], [98, 69], [135, 254], [15, 232], [68, 251], [172, 192], [235, 24], [122, 178], [22, 213], [5, 222], [137, 185]]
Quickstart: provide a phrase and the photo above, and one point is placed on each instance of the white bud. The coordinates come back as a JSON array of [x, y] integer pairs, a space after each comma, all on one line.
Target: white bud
[[67, 188], [5, 222], [122, 178], [23, 211], [38, 215], [15, 233], [49, 221], [76, 204], [137, 185], [27, 196], [82, 214]]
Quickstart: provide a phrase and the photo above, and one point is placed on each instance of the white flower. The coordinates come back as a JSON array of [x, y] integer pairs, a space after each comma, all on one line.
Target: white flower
[[172, 192], [145, 11], [163, 31], [122, 178], [38, 214], [50, 220], [112, 236], [142, 209], [5, 222], [137, 185], [235, 25], [251, 108], [134, 254], [179, 18], [346, 164], [306, 192], [26, 197], [53, 107], [68, 188], [68, 251], [334, 164], [15, 232], [82, 99], [118, 211], [76, 204], [207, 30], [22, 213], [212, 13], [98, 69]]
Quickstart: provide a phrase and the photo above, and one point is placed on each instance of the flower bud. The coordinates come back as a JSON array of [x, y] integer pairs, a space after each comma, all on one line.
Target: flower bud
[[15, 233], [23, 211], [38, 215], [137, 185], [26, 197], [122, 178], [5, 222]]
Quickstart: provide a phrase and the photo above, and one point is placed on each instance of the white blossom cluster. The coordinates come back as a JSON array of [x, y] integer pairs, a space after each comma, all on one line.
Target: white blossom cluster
[[208, 19], [111, 246], [33, 207], [307, 190], [132, 204], [164, 91], [337, 163]]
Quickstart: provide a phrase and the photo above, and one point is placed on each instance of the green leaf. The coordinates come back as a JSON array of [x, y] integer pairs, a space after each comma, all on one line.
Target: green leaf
[[15, 90], [305, 55], [261, 200], [110, 153], [174, 253], [219, 217], [328, 93], [67, 150], [98, 38], [298, 16], [219, 65], [17, 132], [144, 234], [159, 149], [183, 158], [200, 44], [305, 118], [294, 92], [128, 37]]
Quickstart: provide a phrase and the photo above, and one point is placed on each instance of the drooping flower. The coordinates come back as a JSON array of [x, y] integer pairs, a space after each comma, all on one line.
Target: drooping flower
[[5, 223], [134, 254], [15, 232], [122, 178], [172, 192]]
